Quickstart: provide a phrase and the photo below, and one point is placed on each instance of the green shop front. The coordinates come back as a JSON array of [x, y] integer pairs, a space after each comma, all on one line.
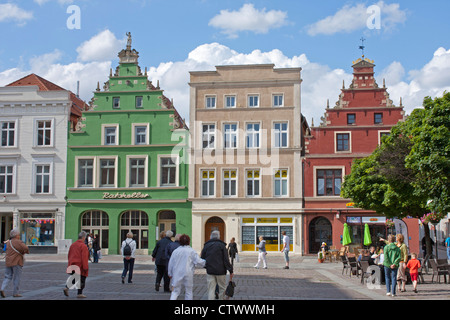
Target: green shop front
[[126, 168]]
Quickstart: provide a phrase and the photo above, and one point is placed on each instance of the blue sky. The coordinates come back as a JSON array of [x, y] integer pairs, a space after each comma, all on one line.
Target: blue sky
[[411, 46]]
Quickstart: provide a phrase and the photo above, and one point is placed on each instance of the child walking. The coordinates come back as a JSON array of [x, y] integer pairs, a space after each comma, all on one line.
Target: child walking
[[413, 265]]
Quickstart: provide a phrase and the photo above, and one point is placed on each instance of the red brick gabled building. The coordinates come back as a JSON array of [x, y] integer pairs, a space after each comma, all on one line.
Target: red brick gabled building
[[351, 129]]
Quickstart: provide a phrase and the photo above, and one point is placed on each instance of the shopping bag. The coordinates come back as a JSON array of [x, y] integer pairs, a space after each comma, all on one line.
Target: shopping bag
[[229, 292]]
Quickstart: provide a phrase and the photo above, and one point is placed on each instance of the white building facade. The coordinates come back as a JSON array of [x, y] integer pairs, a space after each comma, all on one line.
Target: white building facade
[[33, 151]]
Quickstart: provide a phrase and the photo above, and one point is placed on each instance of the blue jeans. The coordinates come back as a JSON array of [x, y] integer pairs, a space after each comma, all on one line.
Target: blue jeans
[[448, 253], [391, 279], [12, 274]]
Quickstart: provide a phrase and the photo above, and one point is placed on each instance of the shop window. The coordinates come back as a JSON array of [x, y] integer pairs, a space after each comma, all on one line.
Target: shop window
[[38, 229], [136, 222]]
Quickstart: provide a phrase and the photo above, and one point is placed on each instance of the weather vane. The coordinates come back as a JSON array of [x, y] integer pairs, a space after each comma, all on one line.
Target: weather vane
[[362, 47]]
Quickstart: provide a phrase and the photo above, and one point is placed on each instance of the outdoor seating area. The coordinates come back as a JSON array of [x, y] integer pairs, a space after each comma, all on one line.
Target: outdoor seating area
[[361, 269]]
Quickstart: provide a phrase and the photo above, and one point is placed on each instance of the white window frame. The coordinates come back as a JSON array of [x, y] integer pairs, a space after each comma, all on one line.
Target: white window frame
[[254, 135], [276, 133], [281, 179], [208, 100], [159, 174], [225, 101], [381, 132], [94, 164], [116, 137], [275, 101], [230, 180], [42, 162], [36, 135], [250, 102], [8, 131], [349, 142], [316, 168], [128, 175], [99, 171], [231, 134], [209, 134], [12, 164], [258, 179], [133, 133], [208, 180]]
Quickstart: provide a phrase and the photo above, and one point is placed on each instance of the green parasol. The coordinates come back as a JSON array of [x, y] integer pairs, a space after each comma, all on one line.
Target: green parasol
[[346, 238], [367, 237]]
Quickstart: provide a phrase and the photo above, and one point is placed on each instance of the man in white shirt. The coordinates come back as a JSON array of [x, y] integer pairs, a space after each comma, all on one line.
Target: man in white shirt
[[286, 246], [128, 257]]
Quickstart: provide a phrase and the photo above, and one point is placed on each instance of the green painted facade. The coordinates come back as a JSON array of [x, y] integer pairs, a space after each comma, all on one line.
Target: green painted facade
[[126, 168]]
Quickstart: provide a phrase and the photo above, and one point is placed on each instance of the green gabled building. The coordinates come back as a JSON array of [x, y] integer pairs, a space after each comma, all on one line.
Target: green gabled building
[[126, 163]]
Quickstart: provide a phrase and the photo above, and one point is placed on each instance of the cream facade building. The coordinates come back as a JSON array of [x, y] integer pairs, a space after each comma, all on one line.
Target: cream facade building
[[245, 155]]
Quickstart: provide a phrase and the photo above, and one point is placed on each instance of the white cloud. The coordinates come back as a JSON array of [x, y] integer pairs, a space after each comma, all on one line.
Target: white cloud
[[42, 2], [11, 12], [102, 47], [352, 18], [248, 18]]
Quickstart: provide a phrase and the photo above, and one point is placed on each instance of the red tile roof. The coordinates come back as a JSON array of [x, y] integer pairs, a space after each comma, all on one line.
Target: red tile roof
[[78, 105]]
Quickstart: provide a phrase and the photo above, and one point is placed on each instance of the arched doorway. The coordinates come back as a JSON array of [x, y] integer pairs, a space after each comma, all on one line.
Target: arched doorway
[[167, 220], [319, 231], [213, 224], [136, 222], [97, 223]]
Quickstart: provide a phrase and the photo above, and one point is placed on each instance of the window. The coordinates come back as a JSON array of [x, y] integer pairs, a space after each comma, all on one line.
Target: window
[[278, 100], [135, 222], [97, 223], [107, 172], [137, 172], [230, 135], [280, 183], [168, 171], [329, 182], [253, 183], [280, 134], [6, 179], [116, 102], [229, 183], [208, 183], [140, 134], [209, 136], [230, 101], [378, 118], [8, 133], [44, 133], [42, 178], [351, 118], [342, 141], [253, 101], [139, 102], [252, 135], [210, 102], [110, 136], [85, 173]]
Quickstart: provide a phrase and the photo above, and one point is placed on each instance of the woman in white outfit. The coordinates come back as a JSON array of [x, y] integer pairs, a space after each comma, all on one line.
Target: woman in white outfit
[[181, 268], [262, 253]]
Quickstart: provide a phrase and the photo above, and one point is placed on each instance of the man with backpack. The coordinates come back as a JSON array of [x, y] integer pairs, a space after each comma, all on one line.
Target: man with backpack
[[128, 253]]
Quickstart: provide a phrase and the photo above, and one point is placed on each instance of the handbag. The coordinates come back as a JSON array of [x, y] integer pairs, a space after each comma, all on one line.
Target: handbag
[[230, 289], [23, 257], [237, 257]]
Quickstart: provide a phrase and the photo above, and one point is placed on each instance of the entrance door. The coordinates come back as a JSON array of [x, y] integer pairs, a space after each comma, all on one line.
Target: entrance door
[[213, 224], [319, 231], [167, 221]]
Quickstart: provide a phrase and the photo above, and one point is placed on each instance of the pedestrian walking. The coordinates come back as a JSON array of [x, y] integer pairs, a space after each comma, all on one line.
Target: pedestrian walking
[[172, 246], [128, 250], [413, 265], [159, 257], [78, 264], [14, 260], [262, 253], [392, 257], [233, 250], [217, 265], [96, 248], [401, 274], [181, 268], [286, 247]]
